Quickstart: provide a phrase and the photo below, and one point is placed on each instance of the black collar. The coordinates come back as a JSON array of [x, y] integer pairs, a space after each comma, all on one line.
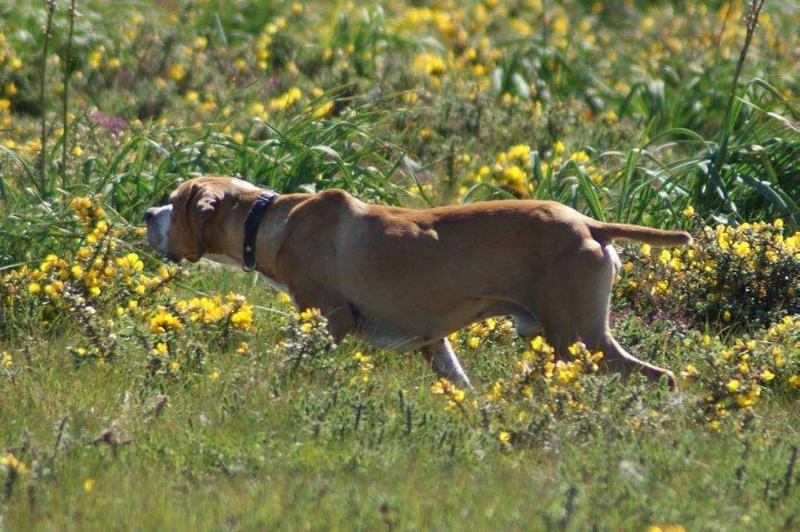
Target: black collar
[[251, 229]]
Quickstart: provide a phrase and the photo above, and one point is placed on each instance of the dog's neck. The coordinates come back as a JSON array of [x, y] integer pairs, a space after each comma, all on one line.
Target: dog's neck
[[228, 231]]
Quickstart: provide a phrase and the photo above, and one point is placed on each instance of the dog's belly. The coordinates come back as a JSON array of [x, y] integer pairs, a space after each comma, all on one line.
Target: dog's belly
[[405, 335], [392, 341]]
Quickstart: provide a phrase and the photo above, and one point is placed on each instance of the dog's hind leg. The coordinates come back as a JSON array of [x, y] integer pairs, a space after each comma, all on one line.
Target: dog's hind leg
[[445, 362], [582, 314], [616, 358]]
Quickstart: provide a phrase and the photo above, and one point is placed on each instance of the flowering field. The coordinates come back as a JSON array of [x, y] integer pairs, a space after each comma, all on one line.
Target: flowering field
[[139, 394]]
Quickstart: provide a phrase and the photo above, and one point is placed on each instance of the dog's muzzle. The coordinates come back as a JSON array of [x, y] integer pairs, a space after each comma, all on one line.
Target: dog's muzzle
[[158, 220]]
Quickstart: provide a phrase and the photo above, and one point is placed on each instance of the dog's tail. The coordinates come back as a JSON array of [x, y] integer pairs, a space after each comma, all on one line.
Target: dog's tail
[[606, 232]]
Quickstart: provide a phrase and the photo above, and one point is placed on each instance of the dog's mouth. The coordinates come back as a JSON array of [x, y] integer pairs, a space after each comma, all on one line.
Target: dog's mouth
[[158, 220], [154, 239], [160, 252]]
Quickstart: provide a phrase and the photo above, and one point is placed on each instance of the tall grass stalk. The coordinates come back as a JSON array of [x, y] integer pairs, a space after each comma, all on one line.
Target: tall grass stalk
[[65, 95], [48, 28], [752, 23]]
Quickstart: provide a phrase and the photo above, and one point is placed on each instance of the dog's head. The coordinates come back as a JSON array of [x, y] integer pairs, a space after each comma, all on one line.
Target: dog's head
[[177, 230]]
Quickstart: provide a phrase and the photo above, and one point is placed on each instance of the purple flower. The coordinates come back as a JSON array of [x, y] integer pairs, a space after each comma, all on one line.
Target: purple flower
[[114, 124]]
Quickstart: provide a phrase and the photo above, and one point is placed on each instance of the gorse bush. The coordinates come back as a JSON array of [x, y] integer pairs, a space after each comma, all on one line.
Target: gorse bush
[[743, 276], [92, 271], [732, 377], [104, 290]]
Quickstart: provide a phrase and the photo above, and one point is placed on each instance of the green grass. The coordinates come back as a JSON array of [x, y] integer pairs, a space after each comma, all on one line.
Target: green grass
[[640, 112], [254, 449]]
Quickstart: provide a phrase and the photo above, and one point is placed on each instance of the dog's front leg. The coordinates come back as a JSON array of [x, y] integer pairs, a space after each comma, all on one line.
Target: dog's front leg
[[445, 362]]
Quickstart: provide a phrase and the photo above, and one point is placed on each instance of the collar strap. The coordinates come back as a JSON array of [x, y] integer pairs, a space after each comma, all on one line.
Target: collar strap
[[251, 229]]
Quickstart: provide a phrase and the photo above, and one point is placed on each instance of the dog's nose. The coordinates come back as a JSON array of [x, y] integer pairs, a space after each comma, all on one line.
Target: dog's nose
[[149, 213]]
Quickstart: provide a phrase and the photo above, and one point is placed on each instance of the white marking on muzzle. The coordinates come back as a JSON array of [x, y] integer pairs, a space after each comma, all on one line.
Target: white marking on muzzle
[[158, 228]]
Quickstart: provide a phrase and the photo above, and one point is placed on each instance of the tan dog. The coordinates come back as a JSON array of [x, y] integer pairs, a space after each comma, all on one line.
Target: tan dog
[[405, 279]]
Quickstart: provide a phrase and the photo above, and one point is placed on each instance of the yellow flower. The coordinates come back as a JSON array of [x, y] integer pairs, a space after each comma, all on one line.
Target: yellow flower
[[243, 318], [12, 463], [76, 271], [163, 321], [733, 385], [504, 437], [777, 356], [645, 250], [322, 110], [34, 288], [95, 59], [671, 527], [474, 342], [558, 147], [176, 72], [750, 398], [285, 100], [174, 366], [660, 287], [88, 485], [742, 249], [428, 64], [214, 376], [458, 395], [243, 349], [580, 157], [309, 314], [6, 361], [438, 387], [688, 212], [767, 375]]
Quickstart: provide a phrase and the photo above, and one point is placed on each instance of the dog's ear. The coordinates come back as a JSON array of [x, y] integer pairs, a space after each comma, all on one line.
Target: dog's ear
[[208, 199], [194, 203], [204, 200]]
